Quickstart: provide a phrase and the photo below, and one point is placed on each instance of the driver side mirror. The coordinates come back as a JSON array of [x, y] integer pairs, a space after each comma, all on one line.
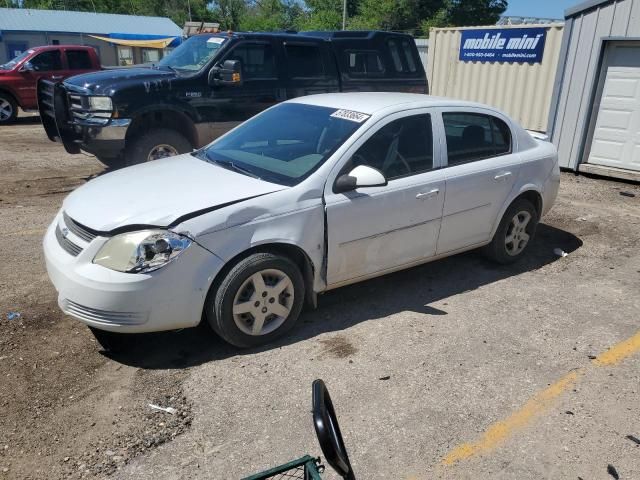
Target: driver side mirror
[[27, 67], [361, 176], [230, 73]]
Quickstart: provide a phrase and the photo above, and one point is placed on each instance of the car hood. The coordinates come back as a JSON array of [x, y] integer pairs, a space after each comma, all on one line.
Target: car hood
[[160, 193], [105, 82]]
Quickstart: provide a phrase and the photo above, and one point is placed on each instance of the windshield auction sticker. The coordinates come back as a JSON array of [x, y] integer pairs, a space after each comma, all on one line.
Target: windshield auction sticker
[[217, 40], [350, 115]]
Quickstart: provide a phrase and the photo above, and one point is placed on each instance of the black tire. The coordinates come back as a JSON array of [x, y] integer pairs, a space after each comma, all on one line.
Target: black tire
[[11, 105], [140, 148], [219, 304], [498, 250], [112, 342]]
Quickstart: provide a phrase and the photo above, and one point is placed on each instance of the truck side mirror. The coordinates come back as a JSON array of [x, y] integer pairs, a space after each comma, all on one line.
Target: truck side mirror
[[27, 67], [230, 73]]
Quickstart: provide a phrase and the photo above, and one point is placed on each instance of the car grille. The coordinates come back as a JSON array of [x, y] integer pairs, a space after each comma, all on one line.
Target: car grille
[[66, 244], [102, 316], [80, 230]]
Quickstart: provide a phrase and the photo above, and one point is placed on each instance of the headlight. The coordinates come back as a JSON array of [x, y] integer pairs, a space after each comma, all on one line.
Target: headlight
[[100, 103], [143, 251]]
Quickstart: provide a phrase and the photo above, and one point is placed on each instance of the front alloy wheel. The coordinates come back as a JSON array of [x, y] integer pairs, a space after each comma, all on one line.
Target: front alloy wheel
[[258, 300], [263, 302], [8, 109]]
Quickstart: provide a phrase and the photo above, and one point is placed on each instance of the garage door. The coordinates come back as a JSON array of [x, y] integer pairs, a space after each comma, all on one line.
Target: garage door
[[616, 138]]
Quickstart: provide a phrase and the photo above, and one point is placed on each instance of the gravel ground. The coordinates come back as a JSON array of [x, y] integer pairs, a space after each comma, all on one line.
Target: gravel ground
[[417, 362]]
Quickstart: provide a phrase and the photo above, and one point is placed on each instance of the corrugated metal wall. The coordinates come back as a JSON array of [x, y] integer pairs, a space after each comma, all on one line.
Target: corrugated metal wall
[[579, 70], [423, 50], [522, 90]]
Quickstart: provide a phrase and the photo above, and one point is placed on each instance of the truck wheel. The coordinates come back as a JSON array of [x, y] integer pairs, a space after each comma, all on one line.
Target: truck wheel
[[258, 300], [8, 109], [155, 144]]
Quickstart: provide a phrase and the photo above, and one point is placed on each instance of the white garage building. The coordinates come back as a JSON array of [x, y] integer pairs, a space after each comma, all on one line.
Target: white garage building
[[595, 109]]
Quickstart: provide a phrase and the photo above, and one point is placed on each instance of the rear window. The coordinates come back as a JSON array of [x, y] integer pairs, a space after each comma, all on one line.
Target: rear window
[[304, 61], [474, 136], [78, 60], [363, 62]]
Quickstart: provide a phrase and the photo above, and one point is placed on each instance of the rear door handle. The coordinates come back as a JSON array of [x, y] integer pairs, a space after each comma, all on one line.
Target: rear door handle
[[502, 176], [429, 194]]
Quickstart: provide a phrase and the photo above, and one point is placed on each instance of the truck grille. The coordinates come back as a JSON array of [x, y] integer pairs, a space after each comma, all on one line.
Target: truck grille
[[77, 108]]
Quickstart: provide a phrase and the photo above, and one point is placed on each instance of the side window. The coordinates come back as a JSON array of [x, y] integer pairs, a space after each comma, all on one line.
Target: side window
[[78, 60], [501, 137], [400, 148], [395, 55], [408, 55], [304, 61], [474, 136], [47, 61], [257, 60], [363, 62]]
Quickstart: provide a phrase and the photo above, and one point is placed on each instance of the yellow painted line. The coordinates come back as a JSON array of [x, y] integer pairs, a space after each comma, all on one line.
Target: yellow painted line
[[618, 352], [39, 231], [499, 431]]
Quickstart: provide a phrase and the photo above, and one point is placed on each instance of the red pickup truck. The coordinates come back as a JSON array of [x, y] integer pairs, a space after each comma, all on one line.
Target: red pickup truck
[[19, 77]]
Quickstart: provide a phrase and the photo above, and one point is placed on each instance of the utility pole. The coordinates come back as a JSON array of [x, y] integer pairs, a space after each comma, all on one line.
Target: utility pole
[[344, 15], [189, 6]]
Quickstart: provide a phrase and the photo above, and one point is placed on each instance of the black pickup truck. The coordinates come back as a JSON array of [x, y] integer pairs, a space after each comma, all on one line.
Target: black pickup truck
[[211, 83]]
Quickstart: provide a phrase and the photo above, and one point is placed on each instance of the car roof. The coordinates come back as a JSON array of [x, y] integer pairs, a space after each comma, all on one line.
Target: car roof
[[372, 102]]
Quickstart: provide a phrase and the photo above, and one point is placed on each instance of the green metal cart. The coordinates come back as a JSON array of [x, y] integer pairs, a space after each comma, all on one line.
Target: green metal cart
[[331, 444]]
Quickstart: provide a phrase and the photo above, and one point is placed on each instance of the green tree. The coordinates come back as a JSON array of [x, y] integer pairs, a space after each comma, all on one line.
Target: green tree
[[459, 13], [229, 13]]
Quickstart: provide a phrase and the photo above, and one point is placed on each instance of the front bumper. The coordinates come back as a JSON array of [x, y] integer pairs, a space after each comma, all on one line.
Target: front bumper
[[68, 119], [105, 142], [169, 298]]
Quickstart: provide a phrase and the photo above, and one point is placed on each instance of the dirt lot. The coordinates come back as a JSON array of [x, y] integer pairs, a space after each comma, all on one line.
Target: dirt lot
[[457, 369]]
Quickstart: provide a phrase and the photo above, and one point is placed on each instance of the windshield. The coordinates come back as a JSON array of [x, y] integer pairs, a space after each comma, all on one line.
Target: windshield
[[193, 54], [286, 143], [12, 63]]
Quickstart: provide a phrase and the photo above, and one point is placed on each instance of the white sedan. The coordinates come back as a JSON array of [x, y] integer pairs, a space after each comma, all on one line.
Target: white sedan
[[310, 195]]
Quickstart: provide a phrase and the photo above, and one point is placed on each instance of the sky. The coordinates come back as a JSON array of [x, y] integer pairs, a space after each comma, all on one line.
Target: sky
[[539, 8]]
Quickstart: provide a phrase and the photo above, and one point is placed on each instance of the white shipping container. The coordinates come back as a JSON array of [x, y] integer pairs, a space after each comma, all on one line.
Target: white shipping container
[[523, 90]]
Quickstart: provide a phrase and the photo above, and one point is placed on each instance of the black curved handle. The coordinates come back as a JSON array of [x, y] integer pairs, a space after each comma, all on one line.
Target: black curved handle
[[328, 431]]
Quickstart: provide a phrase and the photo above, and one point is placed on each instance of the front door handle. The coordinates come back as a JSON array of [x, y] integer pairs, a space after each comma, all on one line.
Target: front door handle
[[56, 77], [502, 176], [429, 194]]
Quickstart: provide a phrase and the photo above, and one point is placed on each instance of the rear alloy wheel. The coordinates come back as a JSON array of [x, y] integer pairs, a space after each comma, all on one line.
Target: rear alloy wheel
[[517, 238], [514, 234], [8, 109], [257, 301], [154, 145]]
